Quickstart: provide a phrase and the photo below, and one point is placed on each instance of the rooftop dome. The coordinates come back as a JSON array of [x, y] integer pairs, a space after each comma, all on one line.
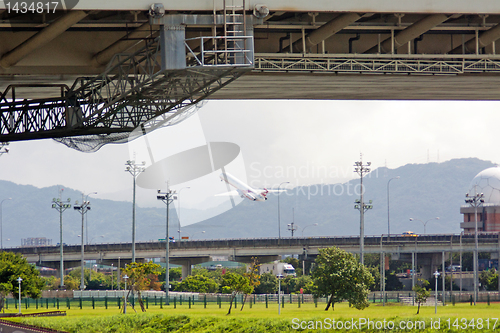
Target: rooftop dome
[[488, 183]]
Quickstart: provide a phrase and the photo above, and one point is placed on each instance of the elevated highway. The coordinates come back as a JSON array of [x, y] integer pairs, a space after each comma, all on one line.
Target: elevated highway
[[429, 248], [99, 67]]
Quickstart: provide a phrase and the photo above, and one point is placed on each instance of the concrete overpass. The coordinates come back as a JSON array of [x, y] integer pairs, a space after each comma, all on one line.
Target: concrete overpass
[[429, 250], [67, 72]]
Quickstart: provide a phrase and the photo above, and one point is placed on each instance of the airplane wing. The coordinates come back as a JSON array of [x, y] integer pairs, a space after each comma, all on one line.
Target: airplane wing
[[228, 194], [273, 191]]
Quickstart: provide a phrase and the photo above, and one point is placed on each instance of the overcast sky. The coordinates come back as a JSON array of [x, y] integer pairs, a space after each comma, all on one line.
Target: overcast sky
[[303, 142]]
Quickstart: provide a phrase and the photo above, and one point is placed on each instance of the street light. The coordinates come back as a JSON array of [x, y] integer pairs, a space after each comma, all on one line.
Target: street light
[[424, 223], [388, 219], [112, 277], [135, 170], [179, 209], [61, 206], [19, 281], [191, 236], [279, 293], [279, 221], [310, 225], [167, 198], [1, 223], [92, 239], [362, 169], [436, 276], [292, 227], [126, 295], [475, 201], [83, 209]]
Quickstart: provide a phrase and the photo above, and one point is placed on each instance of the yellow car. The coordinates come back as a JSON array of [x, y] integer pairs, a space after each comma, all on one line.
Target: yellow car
[[409, 234]]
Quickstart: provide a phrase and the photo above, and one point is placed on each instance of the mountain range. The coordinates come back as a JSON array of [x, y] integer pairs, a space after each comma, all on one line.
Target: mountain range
[[422, 192]]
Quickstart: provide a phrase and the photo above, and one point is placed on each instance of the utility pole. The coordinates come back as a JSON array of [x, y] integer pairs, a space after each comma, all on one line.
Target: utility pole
[[167, 198], [279, 219], [82, 209], [475, 201], [388, 211], [61, 206], [135, 170], [360, 205]]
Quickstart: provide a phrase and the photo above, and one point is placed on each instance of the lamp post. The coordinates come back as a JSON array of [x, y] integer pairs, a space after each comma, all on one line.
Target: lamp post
[[83, 209], [388, 219], [1, 222], [92, 239], [279, 293], [279, 221], [167, 199], [135, 170], [424, 223], [475, 201], [112, 276], [191, 236], [118, 282], [61, 206], [19, 281], [126, 295], [310, 225], [179, 209], [436, 276], [292, 227], [362, 169]]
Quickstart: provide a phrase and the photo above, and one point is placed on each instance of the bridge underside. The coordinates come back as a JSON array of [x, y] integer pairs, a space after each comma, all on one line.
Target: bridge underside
[[308, 86], [397, 51]]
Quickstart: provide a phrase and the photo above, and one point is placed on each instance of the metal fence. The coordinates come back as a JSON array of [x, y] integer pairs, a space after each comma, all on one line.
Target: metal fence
[[196, 299]]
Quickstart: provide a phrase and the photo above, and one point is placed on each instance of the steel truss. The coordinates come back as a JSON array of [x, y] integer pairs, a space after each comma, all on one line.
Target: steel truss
[[134, 90], [390, 64]]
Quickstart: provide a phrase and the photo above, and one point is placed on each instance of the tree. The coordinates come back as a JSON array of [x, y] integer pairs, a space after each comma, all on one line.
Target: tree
[[489, 279], [340, 276], [235, 284], [392, 282], [13, 266], [139, 278], [253, 278], [421, 293], [305, 283], [198, 284], [268, 284]]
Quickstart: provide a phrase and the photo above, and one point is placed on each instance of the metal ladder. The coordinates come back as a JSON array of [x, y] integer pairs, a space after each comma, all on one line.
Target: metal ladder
[[233, 47]]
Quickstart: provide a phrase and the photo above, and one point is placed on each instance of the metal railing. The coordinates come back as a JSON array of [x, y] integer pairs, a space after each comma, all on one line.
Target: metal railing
[[376, 64], [241, 54]]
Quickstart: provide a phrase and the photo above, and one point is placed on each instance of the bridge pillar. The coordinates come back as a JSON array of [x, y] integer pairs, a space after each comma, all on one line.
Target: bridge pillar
[[430, 262], [186, 263], [186, 269]]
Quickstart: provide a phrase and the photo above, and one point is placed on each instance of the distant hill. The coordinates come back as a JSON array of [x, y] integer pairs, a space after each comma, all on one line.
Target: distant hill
[[424, 191]]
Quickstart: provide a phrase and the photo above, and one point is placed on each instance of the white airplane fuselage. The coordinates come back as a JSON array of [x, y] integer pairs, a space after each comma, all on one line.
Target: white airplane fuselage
[[243, 189]]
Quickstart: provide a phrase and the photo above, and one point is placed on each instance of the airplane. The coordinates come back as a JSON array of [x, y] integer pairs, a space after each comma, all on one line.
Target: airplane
[[244, 190]]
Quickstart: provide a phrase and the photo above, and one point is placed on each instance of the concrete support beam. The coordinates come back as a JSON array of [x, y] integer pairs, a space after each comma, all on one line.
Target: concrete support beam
[[41, 38], [325, 31], [187, 263], [410, 33], [103, 57], [261, 259], [485, 38]]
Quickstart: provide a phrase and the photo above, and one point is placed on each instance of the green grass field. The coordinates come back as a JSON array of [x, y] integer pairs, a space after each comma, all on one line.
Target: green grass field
[[459, 318]]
